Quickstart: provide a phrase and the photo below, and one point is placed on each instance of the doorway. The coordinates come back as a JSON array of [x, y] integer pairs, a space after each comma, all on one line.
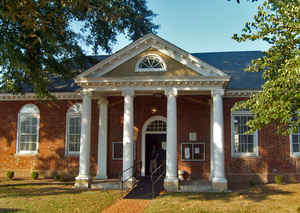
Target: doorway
[[154, 129], [159, 142]]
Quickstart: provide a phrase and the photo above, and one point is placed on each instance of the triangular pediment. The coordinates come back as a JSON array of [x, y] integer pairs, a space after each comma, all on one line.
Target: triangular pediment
[[178, 62]]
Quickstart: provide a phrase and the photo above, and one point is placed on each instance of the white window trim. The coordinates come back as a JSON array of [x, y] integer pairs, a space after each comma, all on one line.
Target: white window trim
[[137, 69], [243, 154], [18, 151], [69, 115], [192, 158], [292, 153]]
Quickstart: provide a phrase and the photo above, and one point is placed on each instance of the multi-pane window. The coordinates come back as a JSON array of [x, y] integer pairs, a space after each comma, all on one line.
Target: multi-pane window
[[193, 151], [73, 129], [157, 126], [150, 63], [295, 142], [117, 150], [242, 143], [28, 129]]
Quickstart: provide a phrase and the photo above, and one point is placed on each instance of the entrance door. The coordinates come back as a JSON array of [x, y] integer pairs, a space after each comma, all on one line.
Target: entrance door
[[159, 141]]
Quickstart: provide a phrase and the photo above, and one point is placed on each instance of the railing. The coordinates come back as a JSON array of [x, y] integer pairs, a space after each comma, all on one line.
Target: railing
[[156, 176], [134, 173]]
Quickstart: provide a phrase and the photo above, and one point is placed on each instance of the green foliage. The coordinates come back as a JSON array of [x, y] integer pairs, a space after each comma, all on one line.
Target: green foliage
[[57, 177], [10, 174], [278, 179], [37, 41], [278, 23], [34, 175]]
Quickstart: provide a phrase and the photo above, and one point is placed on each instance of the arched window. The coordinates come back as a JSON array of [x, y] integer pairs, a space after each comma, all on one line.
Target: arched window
[[242, 144], [28, 129], [151, 63], [73, 129]]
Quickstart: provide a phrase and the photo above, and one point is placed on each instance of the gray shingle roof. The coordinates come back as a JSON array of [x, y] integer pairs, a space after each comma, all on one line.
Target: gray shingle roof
[[232, 63]]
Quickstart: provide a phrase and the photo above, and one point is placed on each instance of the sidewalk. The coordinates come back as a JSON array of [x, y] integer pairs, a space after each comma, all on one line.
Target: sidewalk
[[128, 206]]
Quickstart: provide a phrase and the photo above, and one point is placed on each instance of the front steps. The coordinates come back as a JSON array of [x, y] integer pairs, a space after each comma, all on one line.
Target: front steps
[[106, 184], [184, 186], [195, 186]]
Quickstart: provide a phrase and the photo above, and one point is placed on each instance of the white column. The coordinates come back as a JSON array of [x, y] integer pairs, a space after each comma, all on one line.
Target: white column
[[218, 137], [171, 163], [102, 139], [85, 138], [211, 142], [128, 133]]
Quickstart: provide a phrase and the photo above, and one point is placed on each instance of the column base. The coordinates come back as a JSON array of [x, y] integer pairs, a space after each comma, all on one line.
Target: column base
[[219, 184], [171, 184], [101, 177], [82, 182]]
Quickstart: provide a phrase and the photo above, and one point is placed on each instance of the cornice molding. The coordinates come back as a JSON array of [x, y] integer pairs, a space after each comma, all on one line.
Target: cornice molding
[[240, 93], [33, 96], [164, 84], [76, 95]]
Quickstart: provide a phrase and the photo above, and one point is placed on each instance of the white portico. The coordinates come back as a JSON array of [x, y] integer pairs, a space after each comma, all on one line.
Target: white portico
[[149, 66]]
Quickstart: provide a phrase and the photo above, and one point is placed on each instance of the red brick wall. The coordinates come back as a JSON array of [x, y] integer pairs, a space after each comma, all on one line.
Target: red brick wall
[[193, 116], [51, 151], [274, 155]]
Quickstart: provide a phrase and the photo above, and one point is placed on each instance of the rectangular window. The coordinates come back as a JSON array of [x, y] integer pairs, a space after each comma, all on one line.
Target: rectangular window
[[193, 151], [242, 144], [295, 143], [117, 150], [28, 133], [74, 134]]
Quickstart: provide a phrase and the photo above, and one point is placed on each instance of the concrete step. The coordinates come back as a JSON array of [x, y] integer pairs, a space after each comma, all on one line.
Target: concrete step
[[195, 186], [106, 184]]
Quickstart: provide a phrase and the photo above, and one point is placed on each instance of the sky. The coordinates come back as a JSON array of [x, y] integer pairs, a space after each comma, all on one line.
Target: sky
[[202, 25]]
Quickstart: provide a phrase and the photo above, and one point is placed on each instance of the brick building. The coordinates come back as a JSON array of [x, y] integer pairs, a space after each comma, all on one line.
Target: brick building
[[149, 93]]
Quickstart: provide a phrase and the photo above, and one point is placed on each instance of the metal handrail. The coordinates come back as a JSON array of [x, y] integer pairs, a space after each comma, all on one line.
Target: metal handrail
[[133, 167], [160, 175]]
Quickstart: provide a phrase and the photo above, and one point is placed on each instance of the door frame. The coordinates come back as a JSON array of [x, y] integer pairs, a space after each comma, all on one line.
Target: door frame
[[144, 132]]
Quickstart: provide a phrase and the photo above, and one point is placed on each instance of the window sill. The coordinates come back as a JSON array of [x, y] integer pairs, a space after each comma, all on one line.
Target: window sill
[[295, 155], [245, 155], [26, 153], [72, 154]]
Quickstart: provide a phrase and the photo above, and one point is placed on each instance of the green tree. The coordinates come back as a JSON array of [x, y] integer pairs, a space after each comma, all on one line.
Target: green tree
[[37, 40], [278, 23]]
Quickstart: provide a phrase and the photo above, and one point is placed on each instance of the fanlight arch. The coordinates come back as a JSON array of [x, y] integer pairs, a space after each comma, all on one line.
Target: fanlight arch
[[151, 63]]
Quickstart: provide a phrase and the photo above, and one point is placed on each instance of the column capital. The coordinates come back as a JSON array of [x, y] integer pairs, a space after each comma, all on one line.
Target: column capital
[[86, 93], [128, 92], [102, 100], [171, 92], [215, 92]]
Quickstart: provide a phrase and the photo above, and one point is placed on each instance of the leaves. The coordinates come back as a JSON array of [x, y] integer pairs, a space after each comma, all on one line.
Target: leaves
[[36, 38], [278, 23]]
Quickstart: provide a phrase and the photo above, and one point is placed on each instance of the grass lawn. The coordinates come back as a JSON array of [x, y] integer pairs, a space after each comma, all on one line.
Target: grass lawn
[[268, 198], [41, 196]]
